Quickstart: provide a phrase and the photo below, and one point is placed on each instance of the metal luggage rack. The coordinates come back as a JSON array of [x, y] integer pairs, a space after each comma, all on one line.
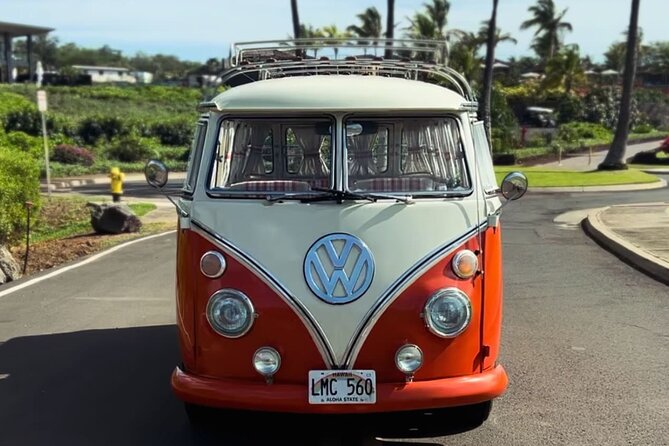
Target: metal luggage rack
[[423, 60]]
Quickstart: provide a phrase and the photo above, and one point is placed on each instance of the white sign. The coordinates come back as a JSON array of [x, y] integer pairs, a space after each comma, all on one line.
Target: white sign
[[41, 100]]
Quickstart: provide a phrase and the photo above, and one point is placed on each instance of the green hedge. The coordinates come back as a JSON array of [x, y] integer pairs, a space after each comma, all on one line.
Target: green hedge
[[19, 182]]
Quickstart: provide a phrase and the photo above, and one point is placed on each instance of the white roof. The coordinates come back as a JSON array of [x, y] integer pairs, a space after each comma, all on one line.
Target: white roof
[[338, 93], [93, 67]]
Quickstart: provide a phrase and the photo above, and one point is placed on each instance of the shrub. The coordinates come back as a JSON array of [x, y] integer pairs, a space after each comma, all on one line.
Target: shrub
[[26, 120], [23, 142], [175, 132], [575, 131], [643, 128], [505, 130], [67, 154], [173, 153], [131, 148], [93, 128], [19, 182]]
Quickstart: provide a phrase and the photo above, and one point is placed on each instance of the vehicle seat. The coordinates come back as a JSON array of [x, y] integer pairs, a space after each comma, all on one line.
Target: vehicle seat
[[406, 184], [272, 186]]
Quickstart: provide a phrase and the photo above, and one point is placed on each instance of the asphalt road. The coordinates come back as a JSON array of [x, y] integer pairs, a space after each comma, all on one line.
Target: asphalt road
[[85, 357]]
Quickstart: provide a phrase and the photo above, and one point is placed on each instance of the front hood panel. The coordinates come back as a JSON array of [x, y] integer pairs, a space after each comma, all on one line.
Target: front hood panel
[[403, 241]]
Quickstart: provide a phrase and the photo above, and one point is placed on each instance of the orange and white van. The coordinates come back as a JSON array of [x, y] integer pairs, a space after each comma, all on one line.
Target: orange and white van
[[339, 243]]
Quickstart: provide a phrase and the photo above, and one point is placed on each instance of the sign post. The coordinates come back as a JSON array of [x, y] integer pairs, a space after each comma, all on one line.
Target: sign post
[[42, 106]]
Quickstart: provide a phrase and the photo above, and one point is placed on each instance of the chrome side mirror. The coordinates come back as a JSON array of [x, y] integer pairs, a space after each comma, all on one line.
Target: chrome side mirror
[[156, 174], [514, 186]]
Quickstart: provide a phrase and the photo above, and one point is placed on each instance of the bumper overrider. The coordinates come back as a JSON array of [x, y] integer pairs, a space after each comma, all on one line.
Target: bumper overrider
[[391, 397]]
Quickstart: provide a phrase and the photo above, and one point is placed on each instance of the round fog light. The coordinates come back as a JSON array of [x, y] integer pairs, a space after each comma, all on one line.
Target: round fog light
[[408, 359], [212, 264], [266, 361]]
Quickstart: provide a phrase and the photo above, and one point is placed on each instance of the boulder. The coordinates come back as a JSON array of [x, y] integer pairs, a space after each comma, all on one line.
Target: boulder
[[9, 269], [113, 218]]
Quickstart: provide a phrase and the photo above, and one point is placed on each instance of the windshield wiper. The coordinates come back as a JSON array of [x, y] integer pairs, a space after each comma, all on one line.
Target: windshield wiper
[[338, 195]]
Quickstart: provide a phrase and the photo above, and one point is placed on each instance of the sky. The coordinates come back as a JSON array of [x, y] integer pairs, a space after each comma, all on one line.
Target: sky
[[199, 30]]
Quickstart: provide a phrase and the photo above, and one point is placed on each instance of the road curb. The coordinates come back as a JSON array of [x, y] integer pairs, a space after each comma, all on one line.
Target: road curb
[[613, 188], [624, 250]]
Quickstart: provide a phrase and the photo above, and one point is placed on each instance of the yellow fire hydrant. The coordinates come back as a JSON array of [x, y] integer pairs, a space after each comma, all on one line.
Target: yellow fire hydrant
[[116, 183]]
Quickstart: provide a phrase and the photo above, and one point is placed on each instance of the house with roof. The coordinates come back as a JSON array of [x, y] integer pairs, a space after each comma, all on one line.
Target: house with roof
[[101, 74]]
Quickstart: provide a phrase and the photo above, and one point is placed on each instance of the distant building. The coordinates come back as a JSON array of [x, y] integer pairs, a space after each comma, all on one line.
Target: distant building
[[107, 74], [9, 60], [143, 77]]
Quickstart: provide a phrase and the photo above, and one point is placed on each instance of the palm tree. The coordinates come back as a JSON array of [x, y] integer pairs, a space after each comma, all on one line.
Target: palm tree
[[296, 19], [615, 158], [565, 69], [438, 13], [500, 37], [333, 32], [550, 27], [463, 57], [308, 31], [370, 26], [484, 105], [390, 27]]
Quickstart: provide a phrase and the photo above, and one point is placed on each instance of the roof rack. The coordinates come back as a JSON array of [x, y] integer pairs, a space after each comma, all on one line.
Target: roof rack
[[424, 60]]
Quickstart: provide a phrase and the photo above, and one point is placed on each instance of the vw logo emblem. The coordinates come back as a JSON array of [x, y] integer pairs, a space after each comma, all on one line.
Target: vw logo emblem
[[339, 268]]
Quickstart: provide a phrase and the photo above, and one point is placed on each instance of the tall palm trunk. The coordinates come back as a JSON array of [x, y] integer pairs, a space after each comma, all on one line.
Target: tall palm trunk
[[484, 105], [615, 158], [296, 19], [390, 27]]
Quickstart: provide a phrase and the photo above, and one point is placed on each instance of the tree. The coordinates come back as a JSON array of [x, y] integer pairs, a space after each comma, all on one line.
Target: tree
[[550, 28], [484, 106], [438, 13], [565, 69], [430, 24], [615, 158], [333, 32], [296, 19], [500, 37], [307, 32], [370, 26], [390, 27], [614, 57], [463, 56]]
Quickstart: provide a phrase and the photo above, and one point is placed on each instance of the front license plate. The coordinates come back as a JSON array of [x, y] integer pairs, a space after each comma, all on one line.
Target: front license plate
[[342, 387]]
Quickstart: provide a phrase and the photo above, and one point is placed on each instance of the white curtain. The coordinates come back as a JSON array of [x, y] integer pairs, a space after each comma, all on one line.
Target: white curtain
[[310, 143], [254, 166], [361, 162], [239, 152], [416, 160]]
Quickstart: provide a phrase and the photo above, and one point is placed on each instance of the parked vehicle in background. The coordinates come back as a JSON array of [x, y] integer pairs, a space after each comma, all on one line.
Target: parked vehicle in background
[[539, 117], [335, 226]]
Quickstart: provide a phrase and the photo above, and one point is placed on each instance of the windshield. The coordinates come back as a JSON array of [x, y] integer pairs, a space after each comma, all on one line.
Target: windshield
[[272, 155], [420, 155]]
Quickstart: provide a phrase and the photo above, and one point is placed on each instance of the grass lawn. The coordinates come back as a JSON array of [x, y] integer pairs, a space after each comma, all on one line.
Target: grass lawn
[[530, 152], [543, 177], [62, 217]]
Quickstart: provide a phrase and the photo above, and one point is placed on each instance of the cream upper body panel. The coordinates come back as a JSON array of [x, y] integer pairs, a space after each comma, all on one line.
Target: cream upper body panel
[[338, 93]]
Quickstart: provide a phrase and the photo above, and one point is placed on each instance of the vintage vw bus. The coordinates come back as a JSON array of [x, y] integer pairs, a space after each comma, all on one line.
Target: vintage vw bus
[[339, 243]]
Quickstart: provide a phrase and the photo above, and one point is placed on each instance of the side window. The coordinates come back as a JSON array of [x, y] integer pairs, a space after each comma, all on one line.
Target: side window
[[194, 157], [483, 157]]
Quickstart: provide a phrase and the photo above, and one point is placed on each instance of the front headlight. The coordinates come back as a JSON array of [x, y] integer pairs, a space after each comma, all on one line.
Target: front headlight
[[230, 313], [448, 312]]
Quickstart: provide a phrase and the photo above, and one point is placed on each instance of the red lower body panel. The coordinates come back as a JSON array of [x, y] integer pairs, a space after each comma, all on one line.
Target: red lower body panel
[[417, 395]]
